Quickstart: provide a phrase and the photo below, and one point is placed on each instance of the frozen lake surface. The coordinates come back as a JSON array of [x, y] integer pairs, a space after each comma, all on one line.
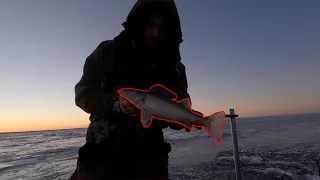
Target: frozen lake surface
[[269, 147]]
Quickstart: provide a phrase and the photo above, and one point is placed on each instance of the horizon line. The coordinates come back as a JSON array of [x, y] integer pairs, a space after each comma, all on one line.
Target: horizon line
[[260, 116]]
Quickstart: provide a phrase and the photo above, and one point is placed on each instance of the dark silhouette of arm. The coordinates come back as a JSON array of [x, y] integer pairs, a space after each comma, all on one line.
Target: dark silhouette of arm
[[89, 96]]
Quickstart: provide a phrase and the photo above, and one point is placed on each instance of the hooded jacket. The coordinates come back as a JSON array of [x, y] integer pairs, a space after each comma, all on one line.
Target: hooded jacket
[[115, 64]]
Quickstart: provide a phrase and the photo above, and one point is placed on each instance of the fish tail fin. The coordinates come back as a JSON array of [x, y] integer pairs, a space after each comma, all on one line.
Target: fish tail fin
[[214, 124]]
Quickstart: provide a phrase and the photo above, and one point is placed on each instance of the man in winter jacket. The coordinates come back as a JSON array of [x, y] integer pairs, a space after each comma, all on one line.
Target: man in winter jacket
[[145, 53]]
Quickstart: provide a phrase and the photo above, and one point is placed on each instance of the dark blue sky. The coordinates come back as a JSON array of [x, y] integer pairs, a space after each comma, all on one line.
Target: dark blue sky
[[259, 57]]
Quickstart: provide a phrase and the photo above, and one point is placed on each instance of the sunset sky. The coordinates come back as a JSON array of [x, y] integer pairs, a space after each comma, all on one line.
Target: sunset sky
[[259, 57]]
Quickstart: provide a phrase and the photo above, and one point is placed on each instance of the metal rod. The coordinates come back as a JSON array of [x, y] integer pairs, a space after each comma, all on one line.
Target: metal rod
[[235, 143], [318, 162]]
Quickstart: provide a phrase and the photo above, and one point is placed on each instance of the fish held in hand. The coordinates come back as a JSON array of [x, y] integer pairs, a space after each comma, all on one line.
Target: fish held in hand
[[161, 103]]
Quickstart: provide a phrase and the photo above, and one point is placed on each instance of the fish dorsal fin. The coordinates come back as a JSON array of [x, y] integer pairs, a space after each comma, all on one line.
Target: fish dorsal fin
[[146, 119], [186, 103], [161, 91]]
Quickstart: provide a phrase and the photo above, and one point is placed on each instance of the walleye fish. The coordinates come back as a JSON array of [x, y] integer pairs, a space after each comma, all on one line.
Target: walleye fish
[[161, 103]]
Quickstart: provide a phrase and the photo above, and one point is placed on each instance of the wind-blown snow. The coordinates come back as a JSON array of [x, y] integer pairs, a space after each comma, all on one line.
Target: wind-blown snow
[[269, 147]]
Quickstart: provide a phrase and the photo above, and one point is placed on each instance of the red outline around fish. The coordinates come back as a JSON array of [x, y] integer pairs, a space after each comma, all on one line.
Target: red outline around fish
[[174, 121]]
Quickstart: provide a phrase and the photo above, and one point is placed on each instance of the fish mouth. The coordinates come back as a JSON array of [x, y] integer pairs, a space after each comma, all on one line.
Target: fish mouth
[[123, 91], [128, 93], [132, 95]]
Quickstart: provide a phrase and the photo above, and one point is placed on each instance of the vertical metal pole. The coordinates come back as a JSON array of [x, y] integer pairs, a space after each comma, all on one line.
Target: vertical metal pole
[[235, 144], [318, 162]]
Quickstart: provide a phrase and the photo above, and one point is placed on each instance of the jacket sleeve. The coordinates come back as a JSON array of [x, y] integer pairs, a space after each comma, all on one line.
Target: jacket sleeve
[[181, 89], [181, 82], [88, 93]]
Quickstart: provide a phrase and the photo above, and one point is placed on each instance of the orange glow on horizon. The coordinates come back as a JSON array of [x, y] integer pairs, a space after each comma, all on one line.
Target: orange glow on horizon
[[36, 119], [43, 121]]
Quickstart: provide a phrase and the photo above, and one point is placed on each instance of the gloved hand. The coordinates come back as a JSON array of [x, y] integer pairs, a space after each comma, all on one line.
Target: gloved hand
[[128, 108]]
